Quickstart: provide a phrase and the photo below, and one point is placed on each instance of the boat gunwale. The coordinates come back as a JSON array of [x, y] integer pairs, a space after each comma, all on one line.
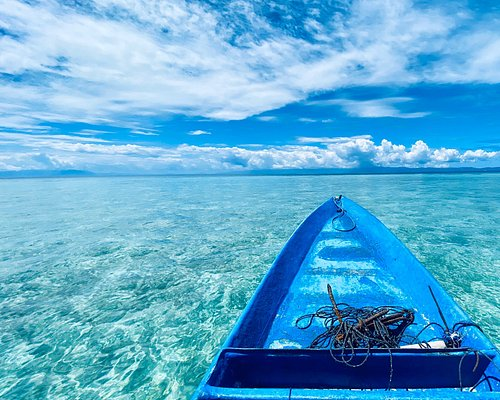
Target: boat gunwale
[[276, 264]]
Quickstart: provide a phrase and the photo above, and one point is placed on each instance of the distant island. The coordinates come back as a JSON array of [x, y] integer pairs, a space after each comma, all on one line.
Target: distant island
[[67, 173], [42, 173]]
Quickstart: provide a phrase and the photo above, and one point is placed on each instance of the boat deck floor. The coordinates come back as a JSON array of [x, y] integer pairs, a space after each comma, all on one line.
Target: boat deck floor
[[359, 277]]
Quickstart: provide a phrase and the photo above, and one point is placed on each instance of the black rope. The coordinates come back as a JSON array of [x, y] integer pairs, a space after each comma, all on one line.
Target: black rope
[[341, 213], [487, 380], [452, 337], [391, 370], [349, 328]]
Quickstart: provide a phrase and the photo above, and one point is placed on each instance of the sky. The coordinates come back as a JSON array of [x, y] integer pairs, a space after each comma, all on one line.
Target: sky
[[150, 86]]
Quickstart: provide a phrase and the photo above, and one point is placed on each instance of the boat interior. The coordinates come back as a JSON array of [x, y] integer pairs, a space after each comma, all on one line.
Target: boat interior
[[366, 265]]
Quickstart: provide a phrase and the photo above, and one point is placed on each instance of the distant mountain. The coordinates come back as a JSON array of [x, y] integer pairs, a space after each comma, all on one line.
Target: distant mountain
[[317, 171], [42, 173], [370, 171]]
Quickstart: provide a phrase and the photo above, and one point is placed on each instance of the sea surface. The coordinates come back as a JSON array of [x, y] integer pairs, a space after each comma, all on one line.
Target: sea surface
[[124, 288]]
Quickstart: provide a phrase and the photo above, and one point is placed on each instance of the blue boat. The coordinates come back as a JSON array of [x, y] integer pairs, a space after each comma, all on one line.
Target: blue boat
[[287, 343]]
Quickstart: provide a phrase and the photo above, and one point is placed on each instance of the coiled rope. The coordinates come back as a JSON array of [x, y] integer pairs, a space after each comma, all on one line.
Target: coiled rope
[[349, 328]]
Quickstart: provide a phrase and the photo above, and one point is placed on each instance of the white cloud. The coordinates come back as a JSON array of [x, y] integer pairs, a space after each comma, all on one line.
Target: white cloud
[[144, 132], [471, 57], [325, 140], [116, 59], [91, 132], [309, 120], [23, 151], [477, 155], [199, 132], [378, 108], [267, 118], [23, 139]]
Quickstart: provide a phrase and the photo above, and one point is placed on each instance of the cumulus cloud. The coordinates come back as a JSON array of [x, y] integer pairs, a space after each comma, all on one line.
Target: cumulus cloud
[[98, 155], [107, 61]]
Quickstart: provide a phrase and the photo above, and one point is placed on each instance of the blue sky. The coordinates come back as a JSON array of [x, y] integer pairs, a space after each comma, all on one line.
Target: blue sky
[[149, 86]]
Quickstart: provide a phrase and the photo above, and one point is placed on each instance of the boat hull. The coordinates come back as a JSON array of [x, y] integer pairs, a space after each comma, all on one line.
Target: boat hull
[[266, 356]]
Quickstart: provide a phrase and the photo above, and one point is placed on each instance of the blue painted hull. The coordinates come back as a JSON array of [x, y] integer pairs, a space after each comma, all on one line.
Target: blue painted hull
[[267, 357]]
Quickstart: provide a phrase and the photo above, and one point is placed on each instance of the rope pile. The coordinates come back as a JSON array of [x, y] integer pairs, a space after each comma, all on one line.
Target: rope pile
[[350, 328]]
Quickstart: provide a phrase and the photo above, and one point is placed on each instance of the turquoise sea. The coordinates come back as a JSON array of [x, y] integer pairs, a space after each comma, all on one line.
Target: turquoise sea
[[124, 288]]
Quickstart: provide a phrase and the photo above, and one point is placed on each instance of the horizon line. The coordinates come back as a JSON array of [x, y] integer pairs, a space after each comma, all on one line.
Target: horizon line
[[36, 174]]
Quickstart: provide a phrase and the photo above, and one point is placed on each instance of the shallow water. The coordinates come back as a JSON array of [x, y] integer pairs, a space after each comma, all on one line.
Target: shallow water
[[125, 287]]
